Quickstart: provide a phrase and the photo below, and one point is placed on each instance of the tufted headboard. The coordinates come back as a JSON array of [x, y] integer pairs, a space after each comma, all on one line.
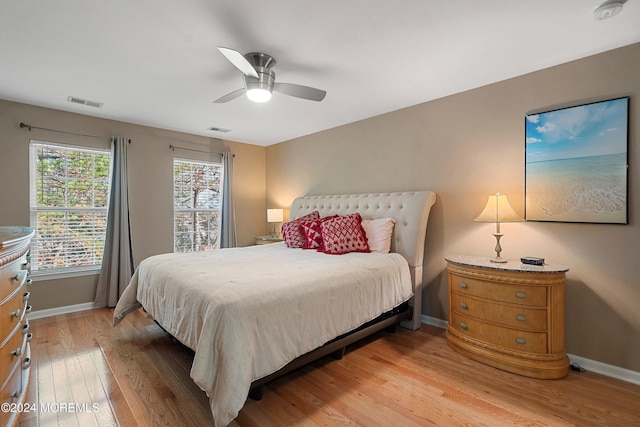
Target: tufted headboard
[[411, 211]]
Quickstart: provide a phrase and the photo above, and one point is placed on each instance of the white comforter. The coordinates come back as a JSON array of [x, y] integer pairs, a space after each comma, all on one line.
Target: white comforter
[[247, 312]]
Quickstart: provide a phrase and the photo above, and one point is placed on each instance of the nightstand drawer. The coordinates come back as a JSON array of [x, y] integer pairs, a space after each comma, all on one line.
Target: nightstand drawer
[[506, 338], [531, 319], [503, 292]]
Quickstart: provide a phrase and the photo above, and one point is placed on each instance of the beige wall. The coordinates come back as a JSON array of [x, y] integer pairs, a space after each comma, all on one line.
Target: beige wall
[[470, 145], [150, 186], [464, 147]]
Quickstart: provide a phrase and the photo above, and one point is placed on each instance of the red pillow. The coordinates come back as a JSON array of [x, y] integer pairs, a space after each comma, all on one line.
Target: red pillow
[[313, 233], [344, 234], [293, 236]]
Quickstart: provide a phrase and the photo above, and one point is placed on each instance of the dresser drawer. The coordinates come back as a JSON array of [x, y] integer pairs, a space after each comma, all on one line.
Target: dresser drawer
[[11, 352], [531, 319], [12, 275], [11, 311], [505, 338], [13, 386], [503, 292]]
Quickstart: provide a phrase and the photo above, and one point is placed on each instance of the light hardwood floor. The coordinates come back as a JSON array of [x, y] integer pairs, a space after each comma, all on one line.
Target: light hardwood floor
[[88, 373]]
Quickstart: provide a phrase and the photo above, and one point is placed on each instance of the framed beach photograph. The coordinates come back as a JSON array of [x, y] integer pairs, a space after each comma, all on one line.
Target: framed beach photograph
[[576, 163]]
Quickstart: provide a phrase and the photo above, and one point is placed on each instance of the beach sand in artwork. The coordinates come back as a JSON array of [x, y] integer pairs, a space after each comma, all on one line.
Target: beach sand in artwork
[[589, 189]]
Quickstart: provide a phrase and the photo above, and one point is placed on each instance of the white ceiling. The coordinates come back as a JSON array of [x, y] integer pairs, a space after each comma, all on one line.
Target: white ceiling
[[155, 62]]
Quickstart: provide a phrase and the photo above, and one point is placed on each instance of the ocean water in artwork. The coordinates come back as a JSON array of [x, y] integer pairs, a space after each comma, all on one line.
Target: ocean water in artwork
[[584, 189]]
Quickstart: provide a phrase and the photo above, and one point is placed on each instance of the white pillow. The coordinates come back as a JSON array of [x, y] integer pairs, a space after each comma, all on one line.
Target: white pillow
[[379, 233]]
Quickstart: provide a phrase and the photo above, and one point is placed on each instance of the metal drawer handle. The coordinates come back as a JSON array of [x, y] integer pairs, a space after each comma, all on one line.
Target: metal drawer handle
[[15, 393], [26, 266], [463, 325], [28, 309], [29, 337], [521, 340], [29, 281], [464, 305], [521, 317], [521, 295], [16, 313], [463, 285], [26, 296], [17, 352], [25, 329], [19, 276], [27, 363]]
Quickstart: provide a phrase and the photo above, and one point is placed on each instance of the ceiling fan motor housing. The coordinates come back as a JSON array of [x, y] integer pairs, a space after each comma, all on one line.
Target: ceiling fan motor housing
[[263, 65]]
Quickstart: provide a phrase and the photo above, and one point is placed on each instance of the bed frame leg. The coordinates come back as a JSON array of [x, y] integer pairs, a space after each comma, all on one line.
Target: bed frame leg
[[338, 354], [256, 393]]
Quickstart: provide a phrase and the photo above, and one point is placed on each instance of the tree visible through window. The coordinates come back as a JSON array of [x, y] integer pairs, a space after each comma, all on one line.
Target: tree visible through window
[[197, 199], [69, 196]]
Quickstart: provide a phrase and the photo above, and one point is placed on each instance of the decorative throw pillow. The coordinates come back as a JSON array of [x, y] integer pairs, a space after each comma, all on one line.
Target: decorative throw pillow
[[379, 233], [344, 234], [313, 233], [293, 236]]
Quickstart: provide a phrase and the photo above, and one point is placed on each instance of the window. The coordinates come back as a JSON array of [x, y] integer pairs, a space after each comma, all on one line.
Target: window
[[197, 199], [69, 196]]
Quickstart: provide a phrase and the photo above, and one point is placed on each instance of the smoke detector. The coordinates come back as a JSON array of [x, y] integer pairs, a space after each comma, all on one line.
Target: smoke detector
[[608, 9]]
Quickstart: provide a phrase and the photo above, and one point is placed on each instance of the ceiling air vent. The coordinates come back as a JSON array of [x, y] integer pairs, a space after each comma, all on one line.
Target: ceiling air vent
[[221, 130], [86, 102]]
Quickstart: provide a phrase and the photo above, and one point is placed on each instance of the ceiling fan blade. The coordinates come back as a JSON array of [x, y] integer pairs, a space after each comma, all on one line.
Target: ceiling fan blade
[[299, 91], [239, 61], [230, 96]]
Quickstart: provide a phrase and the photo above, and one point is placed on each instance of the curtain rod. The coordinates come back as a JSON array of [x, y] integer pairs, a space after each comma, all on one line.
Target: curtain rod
[[24, 125], [174, 147]]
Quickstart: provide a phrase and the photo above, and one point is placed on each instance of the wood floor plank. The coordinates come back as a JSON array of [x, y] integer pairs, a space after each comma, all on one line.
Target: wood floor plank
[[139, 377]]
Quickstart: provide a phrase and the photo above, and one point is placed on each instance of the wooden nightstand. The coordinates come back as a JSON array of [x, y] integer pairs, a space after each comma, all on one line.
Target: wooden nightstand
[[265, 240], [510, 316]]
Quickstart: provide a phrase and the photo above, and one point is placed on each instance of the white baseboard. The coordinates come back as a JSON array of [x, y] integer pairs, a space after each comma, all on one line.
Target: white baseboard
[[433, 321], [605, 369], [587, 364], [48, 312]]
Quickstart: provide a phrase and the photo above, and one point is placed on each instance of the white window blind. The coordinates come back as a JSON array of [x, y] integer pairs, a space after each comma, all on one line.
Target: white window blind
[[69, 196], [197, 200]]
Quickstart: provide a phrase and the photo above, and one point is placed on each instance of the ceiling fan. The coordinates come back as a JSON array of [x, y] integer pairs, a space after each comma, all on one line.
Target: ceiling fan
[[260, 79]]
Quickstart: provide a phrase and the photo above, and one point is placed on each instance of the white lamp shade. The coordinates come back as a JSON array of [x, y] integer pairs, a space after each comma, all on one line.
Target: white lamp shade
[[498, 210], [275, 215]]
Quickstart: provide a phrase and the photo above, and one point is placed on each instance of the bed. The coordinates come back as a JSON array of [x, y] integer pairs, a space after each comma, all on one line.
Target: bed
[[274, 308]]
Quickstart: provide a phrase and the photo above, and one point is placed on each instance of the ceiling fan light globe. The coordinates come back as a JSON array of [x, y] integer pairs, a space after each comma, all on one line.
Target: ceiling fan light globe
[[258, 95]]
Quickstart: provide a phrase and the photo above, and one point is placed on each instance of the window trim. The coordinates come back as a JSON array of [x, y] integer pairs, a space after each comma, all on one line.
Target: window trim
[[190, 210], [63, 272]]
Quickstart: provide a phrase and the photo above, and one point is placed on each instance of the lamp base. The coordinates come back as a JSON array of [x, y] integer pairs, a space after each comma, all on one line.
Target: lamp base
[[498, 249]]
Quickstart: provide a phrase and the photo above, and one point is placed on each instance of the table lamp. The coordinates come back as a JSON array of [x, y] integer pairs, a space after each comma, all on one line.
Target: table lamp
[[498, 210], [273, 216]]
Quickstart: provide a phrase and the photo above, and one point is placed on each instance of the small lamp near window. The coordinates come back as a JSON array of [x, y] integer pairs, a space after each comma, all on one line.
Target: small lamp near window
[[274, 216], [498, 210]]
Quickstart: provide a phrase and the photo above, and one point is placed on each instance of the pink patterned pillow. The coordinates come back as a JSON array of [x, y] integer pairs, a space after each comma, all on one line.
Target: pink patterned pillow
[[344, 234], [291, 231], [313, 233]]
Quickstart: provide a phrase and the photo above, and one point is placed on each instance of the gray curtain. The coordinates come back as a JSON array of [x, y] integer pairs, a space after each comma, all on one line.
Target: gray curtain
[[117, 262], [228, 227]]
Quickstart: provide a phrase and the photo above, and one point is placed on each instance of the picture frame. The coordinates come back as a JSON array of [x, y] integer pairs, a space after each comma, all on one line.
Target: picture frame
[[576, 163]]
